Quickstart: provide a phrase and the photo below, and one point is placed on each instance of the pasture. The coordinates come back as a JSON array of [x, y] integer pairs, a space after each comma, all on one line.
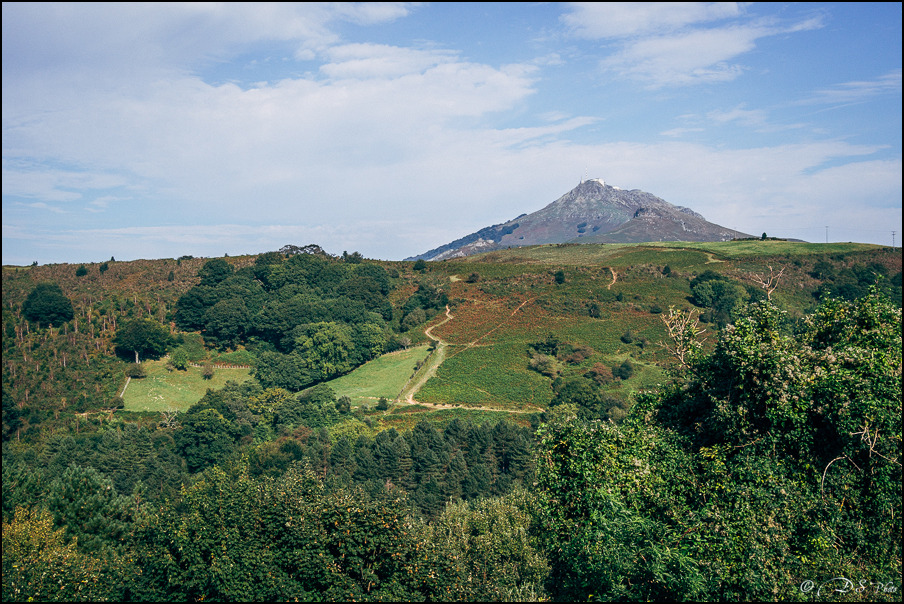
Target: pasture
[[164, 390], [384, 376]]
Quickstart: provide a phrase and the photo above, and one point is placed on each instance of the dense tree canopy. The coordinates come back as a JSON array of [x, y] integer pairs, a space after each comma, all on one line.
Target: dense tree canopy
[[143, 337], [48, 305], [773, 460]]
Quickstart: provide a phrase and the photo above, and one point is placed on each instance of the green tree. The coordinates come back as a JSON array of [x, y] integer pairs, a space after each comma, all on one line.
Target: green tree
[[227, 321], [289, 371], [85, 501], [179, 358], [47, 304], [232, 537], [206, 438], [142, 337], [624, 371], [41, 564], [770, 458], [491, 541], [214, 271], [81, 271]]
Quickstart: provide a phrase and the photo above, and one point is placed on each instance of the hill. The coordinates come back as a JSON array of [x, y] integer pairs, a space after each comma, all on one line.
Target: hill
[[503, 365], [592, 212]]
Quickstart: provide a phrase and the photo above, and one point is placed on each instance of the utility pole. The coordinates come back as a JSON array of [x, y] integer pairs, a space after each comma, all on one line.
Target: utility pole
[[827, 234], [893, 238]]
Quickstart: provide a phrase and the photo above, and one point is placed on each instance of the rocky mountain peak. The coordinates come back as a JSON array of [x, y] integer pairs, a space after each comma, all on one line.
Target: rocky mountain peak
[[592, 212]]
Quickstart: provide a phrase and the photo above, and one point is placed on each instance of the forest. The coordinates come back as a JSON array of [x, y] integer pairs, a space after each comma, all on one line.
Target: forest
[[668, 424]]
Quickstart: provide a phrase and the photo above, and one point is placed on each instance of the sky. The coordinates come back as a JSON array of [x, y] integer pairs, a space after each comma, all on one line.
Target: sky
[[154, 130]]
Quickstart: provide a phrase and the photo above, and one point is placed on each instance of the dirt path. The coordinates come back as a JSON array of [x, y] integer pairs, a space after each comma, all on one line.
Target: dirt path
[[436, 359], [614, 278]]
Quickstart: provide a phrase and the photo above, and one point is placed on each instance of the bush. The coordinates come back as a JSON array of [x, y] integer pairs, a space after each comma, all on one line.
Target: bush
[[623, 371], [135, 370], [600, 374]]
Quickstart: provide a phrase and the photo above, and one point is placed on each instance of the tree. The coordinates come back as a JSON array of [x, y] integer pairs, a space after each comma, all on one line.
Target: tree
[[206, 438], [40, 565], [142, 337], [227, 320], [47, 304], [81, 271], [214, 271], [560, 277], [420, 265], [179, 358], [770, 458]]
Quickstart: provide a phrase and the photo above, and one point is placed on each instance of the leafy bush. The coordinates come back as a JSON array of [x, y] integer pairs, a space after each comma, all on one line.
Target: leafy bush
[[623, 371]]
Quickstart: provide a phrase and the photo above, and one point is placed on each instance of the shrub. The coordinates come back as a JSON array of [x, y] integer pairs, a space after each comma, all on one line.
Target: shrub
[[623, 371]]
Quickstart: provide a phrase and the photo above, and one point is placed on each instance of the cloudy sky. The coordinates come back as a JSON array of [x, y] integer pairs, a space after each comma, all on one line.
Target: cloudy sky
[[157, 130]]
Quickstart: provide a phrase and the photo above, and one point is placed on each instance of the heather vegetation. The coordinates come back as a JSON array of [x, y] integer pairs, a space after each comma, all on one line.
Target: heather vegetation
[[582, 422]]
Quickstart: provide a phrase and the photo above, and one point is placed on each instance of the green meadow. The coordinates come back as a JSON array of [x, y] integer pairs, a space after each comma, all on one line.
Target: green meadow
[[164, 390], [384, 376]]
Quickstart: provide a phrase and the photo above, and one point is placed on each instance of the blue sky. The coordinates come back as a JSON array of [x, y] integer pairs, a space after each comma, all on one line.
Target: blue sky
[[158, 130]]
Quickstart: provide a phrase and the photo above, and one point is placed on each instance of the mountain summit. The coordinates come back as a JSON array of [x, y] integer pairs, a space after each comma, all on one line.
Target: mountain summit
[[592, 212]]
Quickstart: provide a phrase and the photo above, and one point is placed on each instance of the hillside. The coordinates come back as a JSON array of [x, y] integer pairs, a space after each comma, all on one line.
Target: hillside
[[592, 212], [460, 430]]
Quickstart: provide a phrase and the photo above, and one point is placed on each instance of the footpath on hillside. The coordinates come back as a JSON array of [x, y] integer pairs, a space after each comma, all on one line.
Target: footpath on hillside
[[436, 358], [431, 363]]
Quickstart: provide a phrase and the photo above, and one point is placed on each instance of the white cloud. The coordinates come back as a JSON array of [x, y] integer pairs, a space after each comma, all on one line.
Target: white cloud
[[627, 19], [857, 91], [674, 43]]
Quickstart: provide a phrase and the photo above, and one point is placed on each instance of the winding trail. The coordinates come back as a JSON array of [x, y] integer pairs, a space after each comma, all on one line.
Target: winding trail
[[433, 362], [614, 278], [436, 359]]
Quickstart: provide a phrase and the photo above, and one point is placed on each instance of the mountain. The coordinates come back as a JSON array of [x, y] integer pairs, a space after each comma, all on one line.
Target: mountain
[[592, 212]]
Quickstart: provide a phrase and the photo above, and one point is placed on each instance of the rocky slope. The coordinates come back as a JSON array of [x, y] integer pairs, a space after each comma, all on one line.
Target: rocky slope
[[592, 212]]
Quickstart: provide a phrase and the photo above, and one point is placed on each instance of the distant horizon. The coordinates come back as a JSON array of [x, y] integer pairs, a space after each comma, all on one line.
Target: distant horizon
[[340, 254], [158, 130]]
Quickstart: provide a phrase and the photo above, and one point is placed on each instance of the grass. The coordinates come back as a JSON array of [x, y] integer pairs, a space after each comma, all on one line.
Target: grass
[[384, 376], [163, 390], [627, 253]]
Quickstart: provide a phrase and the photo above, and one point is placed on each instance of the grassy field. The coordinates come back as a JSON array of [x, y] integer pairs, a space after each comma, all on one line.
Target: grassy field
[[162, 390], [384, 376], [627, 253]]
